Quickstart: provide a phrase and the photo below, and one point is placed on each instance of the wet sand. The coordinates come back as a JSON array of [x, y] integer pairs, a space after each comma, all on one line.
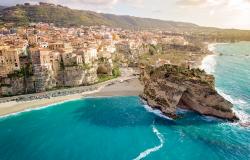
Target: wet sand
[[130, 87]]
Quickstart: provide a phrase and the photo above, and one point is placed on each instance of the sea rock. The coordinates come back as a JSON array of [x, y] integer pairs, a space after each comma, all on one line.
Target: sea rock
[[168, 87]]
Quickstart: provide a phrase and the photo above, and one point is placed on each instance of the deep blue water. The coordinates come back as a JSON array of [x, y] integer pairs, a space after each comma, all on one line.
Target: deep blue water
[[123, 128]]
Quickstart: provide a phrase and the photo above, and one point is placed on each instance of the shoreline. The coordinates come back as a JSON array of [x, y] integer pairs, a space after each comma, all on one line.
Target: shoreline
[[208, 62], [200, 60], [129, 86]]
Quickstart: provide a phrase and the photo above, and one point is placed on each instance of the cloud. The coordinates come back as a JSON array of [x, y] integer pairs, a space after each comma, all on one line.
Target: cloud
[[95, 2], [157, 11], [213, 3], [190, 2], [203, 2]]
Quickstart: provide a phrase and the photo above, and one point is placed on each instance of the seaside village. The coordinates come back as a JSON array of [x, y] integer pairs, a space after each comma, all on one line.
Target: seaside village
[[44, 57]]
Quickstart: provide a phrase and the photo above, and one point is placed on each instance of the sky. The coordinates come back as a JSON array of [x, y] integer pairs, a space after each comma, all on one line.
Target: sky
[[212, 13]]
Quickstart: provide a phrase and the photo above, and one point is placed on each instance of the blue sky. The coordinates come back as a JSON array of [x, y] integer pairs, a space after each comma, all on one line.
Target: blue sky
[[217, 13]]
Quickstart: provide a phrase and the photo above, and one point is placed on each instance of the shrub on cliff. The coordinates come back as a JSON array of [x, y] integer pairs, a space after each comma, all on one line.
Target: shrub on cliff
[[116, 72]]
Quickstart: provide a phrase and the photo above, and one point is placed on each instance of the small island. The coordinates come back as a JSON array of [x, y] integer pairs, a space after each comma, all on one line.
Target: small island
[[168, 87]]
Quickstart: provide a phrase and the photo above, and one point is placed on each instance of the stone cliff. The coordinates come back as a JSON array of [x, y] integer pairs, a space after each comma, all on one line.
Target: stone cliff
[[169, 87], [76, 76], [45, 79]]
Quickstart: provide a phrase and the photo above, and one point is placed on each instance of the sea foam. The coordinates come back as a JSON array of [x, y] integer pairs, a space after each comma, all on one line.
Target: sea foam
[[154, 149], [211, 47], [241, 104], [36, 108], [208, 64], [230, 99], [156, 112]]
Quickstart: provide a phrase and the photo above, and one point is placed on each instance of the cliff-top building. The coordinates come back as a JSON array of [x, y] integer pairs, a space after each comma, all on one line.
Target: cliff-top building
[[9, 61]]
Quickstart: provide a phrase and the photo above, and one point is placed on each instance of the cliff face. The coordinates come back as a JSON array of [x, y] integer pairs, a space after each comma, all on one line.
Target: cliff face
[[16, 86], [76, 76], [169, 87], [43, 78], [46, 79]]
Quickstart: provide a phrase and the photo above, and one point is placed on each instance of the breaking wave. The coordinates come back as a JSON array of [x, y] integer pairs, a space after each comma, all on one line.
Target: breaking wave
[[156, 112], [211, 47], [241, 104], [208, 64], [154, 149], [230, 99]]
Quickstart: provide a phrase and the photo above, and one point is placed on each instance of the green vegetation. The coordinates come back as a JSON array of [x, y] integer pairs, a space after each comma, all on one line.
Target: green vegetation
[[154, 49], [174, 57], [5, 85], [17, 73], [85, 66], [104, 77], [182, 74], [23, 72], [7, 95], [116, 72]]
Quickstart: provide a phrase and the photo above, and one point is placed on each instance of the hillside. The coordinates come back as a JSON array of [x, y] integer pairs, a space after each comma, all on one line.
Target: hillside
[[2, 7], [22, 15], [63, 16]]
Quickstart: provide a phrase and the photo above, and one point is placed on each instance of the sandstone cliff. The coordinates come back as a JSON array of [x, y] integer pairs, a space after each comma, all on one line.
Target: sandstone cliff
[[169, 87], [45, 79], [77, 76]]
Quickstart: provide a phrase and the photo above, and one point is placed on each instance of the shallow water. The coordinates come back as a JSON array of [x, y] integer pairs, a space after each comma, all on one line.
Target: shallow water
[[117, 128], [124, 128]]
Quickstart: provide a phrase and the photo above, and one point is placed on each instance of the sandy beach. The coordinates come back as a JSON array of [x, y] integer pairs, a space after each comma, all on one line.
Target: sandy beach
[[131, 87]]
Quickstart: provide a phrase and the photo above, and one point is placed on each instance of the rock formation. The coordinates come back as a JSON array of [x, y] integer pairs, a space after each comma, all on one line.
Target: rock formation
[[169, 87], [45, 79], [76, 76]]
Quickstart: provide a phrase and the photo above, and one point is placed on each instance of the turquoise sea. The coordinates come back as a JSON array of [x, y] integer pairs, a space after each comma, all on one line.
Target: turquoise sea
[[123, 128]]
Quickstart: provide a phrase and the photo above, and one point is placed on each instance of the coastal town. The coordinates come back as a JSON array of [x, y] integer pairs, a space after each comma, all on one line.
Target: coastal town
[[90, 79], [42, 63], [43, 57]]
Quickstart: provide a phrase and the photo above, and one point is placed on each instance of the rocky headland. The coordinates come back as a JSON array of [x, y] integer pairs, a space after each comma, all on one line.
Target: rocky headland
[[169, 87]]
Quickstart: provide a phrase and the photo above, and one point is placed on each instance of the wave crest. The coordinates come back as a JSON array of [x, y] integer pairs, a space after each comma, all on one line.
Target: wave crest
[[241, 105], [156, 112], [208, 64], [154, 149]]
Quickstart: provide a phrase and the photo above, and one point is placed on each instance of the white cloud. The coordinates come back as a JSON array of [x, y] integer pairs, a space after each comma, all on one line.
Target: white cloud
[[211, 13], [95, 2], [210, 3]]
